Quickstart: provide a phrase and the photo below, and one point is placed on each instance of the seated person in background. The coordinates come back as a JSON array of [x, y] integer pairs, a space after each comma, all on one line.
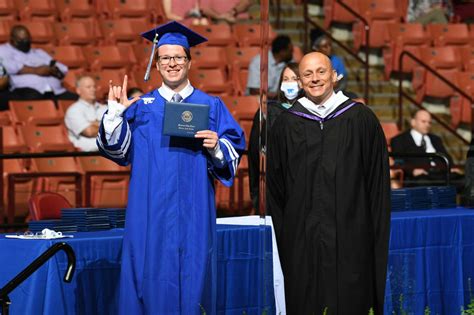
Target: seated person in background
[[225, 11], [423, 171], [280, 54], [323, 44], [429, 11], [134, 91], [290, 91], [82, 118], [187, 12], [33, 73]]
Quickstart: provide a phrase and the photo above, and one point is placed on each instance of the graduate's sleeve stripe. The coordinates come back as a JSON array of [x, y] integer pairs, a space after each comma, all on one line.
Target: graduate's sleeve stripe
[[121, 152], [233, 154]]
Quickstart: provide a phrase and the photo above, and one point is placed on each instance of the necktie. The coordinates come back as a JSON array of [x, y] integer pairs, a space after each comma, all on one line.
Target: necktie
[[176, 98], [423, 143]]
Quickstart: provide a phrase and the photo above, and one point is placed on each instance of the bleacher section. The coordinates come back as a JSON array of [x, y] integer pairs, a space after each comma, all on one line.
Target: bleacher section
[[101, 38]]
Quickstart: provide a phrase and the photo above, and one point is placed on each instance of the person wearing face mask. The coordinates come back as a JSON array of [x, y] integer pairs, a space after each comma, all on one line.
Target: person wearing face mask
[[33, 73], [290, 91]]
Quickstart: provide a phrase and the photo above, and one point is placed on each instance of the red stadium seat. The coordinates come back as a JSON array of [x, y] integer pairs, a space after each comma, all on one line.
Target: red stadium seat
[[69, 80], [249, 34], [103, 77], [240, 57], [335, 13], [239, 60], [5, 28], [467, 58], [8, 10], [390, 129], [40, 113], [129, 8], [154, 82], [449, 34], [31, 10], [212, 81], [209, 58], [12, 141], [460, 107], [432, 86], [142, 54], [47, 206], [42, 33], [75, 9], [22, 189], [46, 138], [63, 105], [71, 56], [123, 30], [6, 118], [217, 34], [75, 33], [107, 57], [400, 37], [379, 14], [106, 190], [65, 185]]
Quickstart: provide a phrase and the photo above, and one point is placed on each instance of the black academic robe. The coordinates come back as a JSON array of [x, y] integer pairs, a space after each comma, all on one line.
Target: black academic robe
[[328, 192]]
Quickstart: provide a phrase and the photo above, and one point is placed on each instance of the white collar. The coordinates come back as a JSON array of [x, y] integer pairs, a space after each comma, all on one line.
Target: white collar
[[324, 109], [417, 136], [168, 93]]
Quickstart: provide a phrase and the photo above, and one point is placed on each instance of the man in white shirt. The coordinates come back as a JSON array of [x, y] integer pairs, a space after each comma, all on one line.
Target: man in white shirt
[[82, 118], [280, 54], [33, 73]]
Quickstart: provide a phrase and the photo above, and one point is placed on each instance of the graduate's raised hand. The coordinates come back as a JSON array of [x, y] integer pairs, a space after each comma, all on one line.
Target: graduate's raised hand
[[119, 93], [210, 138]]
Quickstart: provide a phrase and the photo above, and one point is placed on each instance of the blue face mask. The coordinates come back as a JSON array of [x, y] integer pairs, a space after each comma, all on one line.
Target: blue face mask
[[290, 89]]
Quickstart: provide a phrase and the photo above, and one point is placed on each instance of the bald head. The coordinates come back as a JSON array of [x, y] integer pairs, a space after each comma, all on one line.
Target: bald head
[[421, 121], [317, 76]]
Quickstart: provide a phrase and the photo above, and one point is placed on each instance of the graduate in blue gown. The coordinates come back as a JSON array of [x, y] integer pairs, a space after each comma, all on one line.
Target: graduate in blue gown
[[168, 259]]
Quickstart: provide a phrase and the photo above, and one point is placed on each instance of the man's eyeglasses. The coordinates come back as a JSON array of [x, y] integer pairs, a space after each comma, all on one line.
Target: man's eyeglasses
[[179, 60]]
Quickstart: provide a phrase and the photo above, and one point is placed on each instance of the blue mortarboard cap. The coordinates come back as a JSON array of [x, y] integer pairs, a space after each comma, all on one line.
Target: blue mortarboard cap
[[174, 33]]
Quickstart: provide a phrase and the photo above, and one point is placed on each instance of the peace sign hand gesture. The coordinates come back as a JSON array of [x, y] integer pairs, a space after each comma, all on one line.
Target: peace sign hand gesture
[[119, 94]]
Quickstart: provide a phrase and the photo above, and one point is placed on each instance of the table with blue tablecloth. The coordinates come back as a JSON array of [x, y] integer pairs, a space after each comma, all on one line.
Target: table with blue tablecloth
[[430, 267], [244, 279], [431, 262]]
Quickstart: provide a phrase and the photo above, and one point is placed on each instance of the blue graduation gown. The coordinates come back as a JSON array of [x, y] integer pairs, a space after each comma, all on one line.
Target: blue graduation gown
[[168, 261]]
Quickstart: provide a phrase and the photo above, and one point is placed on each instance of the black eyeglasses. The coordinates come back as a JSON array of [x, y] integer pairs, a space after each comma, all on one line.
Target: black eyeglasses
[[179, 60]]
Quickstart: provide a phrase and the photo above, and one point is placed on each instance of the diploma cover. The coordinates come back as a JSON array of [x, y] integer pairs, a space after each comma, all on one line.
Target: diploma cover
[[185, 119]]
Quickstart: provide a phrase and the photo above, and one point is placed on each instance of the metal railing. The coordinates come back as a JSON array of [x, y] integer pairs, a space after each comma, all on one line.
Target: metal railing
[[402, 94], [436, 155], [346, 48], [35, 265]]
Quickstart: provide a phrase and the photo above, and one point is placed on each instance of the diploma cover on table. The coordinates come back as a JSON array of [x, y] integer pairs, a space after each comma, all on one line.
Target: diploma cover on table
[[185, 119]]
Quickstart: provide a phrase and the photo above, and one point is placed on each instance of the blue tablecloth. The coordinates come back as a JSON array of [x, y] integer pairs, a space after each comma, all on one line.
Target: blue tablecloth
[[431, 262], [244, 280]]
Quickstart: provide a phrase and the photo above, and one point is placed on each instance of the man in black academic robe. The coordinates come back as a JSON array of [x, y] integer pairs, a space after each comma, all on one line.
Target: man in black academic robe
[[328, 192]]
